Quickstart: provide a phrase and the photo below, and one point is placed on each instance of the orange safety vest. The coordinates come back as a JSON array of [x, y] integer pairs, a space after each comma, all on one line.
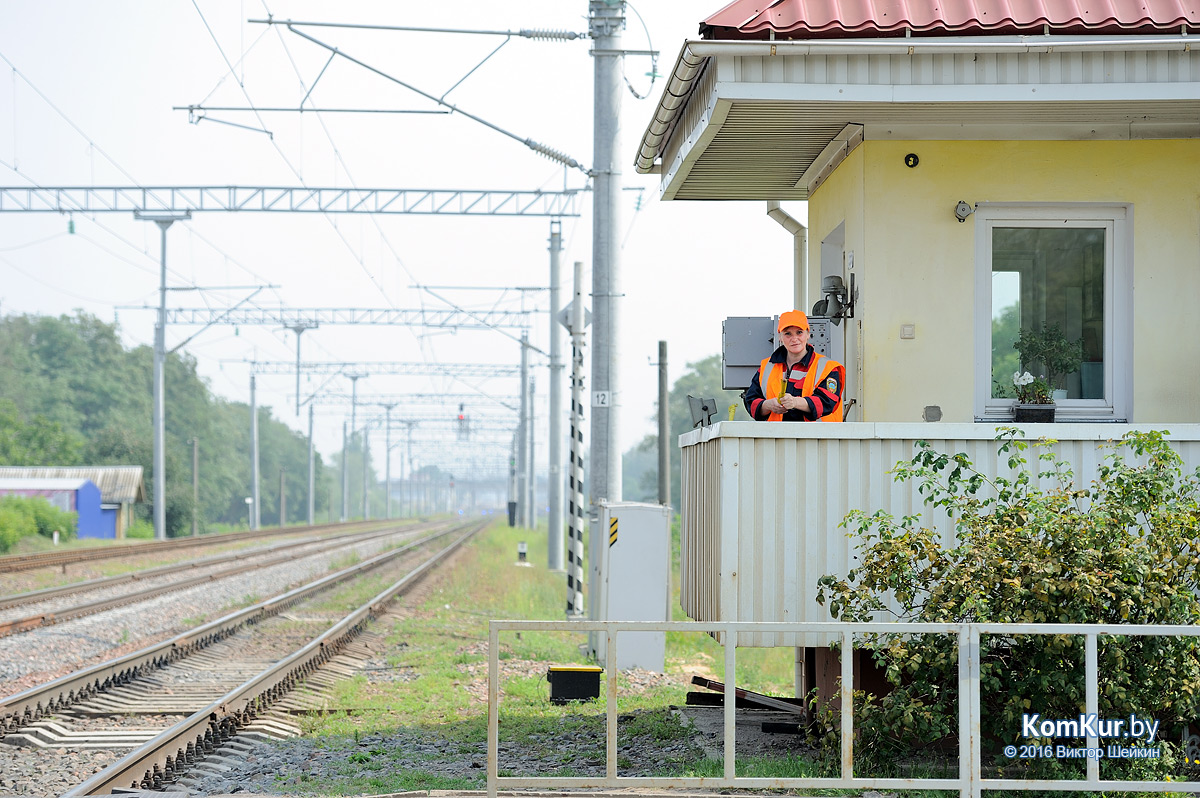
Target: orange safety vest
[[820, 368]]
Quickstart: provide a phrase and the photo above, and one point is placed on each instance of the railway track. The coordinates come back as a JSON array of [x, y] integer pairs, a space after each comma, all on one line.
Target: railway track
[[10, 563], [53, 608], [178, 702]]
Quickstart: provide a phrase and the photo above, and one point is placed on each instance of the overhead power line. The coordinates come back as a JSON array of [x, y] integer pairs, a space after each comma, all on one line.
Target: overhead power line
[[312, 317]]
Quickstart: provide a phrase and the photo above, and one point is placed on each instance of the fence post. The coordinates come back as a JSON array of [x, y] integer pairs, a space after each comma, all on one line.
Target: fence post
[[847, 704]]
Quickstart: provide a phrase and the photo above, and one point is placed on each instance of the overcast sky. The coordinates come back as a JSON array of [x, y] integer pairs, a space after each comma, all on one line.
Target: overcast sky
[[86, 97]]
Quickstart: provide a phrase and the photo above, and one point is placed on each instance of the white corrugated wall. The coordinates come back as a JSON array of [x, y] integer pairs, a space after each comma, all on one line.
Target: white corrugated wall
[[762, 504]]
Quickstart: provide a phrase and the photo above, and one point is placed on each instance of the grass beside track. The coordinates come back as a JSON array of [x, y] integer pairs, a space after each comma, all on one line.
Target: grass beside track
[[437, 658]]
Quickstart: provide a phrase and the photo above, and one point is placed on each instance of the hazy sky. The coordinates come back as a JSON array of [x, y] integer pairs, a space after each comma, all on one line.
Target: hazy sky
[[86, 97]]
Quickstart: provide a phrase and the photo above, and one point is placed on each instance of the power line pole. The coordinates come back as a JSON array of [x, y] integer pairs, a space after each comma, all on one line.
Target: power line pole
[[312, 477], [195, 442], [554, 481], [531, 475], [282, 497], [387, 448], [606, 20], [163, 220], [523, 437], [366, 481], [664, 457], [345, 474], [575, 517], [255, 518], [298, 328]]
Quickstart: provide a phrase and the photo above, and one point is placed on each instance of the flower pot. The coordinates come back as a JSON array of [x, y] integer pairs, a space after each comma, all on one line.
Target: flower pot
[[1033, 414]]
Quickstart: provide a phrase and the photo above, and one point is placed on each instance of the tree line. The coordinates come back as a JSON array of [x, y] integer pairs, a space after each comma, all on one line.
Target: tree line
[[71, 394]]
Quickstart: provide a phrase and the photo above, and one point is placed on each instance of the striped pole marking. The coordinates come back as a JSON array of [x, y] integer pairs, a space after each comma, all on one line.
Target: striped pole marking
[[575, 509]]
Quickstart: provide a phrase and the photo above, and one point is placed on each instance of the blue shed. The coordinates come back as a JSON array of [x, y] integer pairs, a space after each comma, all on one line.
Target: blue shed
[[79, 496]]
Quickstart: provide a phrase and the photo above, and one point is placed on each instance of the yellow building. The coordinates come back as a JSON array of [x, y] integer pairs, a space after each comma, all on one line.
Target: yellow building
[[967, 178], [974, 181]]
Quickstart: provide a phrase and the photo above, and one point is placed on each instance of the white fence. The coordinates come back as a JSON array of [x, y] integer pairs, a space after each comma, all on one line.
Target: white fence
[[970, 782]]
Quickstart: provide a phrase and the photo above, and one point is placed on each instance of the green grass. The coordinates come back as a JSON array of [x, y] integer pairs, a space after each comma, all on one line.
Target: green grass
[[443, 642]]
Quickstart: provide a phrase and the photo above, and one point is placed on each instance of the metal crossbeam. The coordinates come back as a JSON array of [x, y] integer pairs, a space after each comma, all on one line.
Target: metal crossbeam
[[384, 368], [177, 199], [313, 317], [385, 399]]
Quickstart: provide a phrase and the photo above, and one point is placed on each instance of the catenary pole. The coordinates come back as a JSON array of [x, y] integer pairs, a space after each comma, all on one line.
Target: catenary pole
[[254, 516], [345, 474], [387, 466], [523, 437], [664, 457], [312, 477], [282, 497], [160, 361], [531, 472], [195, 486], [366, 479], [606, 19], [575, 508], [554, 481]]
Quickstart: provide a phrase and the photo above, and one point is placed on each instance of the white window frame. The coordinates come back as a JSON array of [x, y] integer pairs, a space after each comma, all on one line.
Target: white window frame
[[1117, 219]]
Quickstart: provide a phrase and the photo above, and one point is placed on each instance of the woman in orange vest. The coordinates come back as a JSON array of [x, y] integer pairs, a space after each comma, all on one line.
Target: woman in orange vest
[[800, 383]]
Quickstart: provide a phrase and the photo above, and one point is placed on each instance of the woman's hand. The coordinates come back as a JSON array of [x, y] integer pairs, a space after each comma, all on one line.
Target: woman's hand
[[773, 406], [789, 402]]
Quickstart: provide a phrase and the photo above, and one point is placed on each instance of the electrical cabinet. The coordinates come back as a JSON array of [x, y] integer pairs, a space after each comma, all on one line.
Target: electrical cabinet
[[631, 580]]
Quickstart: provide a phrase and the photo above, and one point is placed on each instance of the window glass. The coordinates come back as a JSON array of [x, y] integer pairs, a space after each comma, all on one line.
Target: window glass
[[1048, 283]]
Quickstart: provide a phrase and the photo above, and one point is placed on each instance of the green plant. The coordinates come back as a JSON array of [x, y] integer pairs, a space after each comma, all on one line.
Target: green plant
[[1124, 550], [1031, 390], [1049, 346], [140, 529], [22, 516]]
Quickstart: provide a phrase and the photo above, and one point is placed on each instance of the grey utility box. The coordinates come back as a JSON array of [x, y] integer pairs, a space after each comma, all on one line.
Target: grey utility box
[[747, 340], [631, 580]]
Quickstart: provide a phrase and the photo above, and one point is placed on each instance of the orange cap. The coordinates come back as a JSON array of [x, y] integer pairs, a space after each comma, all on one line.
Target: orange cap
[[793, 318]]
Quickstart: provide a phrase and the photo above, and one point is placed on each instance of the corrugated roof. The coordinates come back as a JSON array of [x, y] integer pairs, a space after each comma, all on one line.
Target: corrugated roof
[[821, 19], [42, 483], [117, 484]]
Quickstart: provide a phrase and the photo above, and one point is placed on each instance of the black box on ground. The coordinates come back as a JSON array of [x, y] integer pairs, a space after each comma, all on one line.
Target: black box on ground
[[573, 683]]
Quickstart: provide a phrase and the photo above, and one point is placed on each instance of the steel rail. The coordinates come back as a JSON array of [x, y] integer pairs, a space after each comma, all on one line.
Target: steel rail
[[26, 562], [91, 608], [159, 762], [34, 596], [37, 702]]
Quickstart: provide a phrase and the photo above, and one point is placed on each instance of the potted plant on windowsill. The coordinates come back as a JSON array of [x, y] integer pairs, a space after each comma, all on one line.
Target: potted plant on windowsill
[[1034, 405], [1056, 354]]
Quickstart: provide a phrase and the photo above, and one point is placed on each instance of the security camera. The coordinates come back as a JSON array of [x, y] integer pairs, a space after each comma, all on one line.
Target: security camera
[[962, 210]]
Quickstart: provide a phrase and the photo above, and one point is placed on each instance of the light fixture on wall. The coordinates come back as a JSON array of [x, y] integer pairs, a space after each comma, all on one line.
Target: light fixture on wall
[[962, 210], [837, 300]]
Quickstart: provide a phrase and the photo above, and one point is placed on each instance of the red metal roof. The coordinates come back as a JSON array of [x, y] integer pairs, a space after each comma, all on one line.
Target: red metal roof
[[824, 19]]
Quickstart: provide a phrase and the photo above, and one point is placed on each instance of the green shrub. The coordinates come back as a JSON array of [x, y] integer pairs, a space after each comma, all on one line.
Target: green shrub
[[1125, 550], [140, 529], [14, 525], [32, 515]]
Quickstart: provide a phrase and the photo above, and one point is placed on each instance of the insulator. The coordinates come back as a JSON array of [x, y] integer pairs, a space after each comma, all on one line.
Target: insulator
[[562, 35], [552, 154]]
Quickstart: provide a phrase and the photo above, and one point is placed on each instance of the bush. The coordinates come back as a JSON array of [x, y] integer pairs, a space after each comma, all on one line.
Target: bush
[[140, 529], [21, 516], [14, 525], [1125, 550]]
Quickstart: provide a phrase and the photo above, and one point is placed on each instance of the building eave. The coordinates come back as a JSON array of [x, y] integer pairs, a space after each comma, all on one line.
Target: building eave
[[808, 91]]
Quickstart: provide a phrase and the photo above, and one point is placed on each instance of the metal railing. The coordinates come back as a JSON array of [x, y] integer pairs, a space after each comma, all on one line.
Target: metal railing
[[970, 781]]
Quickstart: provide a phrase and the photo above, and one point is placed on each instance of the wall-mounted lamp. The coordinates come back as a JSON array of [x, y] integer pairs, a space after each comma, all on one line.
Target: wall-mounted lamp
[[962, 210], [838, 301]]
